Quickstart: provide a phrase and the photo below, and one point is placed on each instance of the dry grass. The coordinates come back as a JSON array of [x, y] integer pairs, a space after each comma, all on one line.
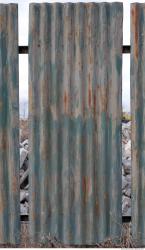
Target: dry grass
[[126, 117], [125, 241]]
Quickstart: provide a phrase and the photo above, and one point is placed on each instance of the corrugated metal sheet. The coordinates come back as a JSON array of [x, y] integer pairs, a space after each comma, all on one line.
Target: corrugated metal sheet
[[9, 124], [138, 119], [75, 78]]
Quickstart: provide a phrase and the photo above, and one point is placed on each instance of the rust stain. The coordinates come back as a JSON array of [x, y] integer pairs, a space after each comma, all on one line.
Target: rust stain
[[4, 142], [14, 184], [1, 21], [31, 106], [1, 207], [77, 33], [3, 200], [97, 208], [89, 28], [90, 97], [1, 105], [104, 95], [91, 59], [134, 14], [67, 18], [89, 92], [105, 195], [94, 103], [66, 100], [86, 187], [1, 232], [33, 215]]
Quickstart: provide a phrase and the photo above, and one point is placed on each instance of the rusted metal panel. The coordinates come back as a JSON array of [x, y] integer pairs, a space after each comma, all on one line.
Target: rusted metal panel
[[138, 120], [9, 124], [75, 78]]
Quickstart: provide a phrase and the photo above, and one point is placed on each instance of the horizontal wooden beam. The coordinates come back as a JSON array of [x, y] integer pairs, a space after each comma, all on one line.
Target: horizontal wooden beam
[[126, 49], [125, 219], [24, 49]]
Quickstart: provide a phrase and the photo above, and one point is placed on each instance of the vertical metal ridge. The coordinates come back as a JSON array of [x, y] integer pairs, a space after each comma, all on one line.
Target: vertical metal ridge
[[66, 123], [13, 132], [76, 128], [87, 183], [138, 120], [114, 115], [9, 125], [77, 69], [57, 67], [34, 107], [52, 160], [44, 146]]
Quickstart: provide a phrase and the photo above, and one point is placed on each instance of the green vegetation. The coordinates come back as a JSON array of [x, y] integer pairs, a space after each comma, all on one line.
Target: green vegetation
[[126, 117]]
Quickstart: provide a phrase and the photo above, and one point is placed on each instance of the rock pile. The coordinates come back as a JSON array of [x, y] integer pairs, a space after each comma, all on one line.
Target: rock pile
[[126, 169], [126, 172], [24, 172]]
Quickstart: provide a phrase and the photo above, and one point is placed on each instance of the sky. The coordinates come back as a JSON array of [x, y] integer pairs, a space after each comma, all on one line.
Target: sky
[[23, 8]]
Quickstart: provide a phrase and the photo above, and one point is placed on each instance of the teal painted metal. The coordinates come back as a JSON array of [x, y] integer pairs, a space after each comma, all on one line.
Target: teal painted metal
[[138, 120], [9, 125], [75, 78]]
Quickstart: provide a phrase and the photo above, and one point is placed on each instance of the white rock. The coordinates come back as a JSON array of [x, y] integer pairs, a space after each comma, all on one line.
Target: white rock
[[123, 173], [23, 155], [26, 147], [127, 192], [26, 204], [128, 212], [126, 132], [128, 178], [127, 149], [26, 187], [24, 195], [24, 143], [127, 166], [23, 209], [21, 172], [126, 206], [124, 182]]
